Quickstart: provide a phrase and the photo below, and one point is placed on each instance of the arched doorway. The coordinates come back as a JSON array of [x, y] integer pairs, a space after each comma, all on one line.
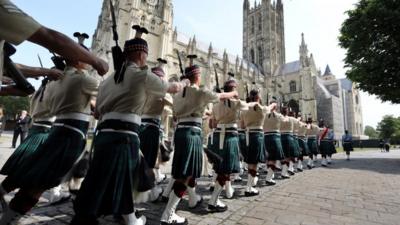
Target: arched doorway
[[294, 105]]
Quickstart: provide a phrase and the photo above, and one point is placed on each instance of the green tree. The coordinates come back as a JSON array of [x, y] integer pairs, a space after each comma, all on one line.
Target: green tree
[[371, 132], [13, 105], [371, 37], [388, 127]]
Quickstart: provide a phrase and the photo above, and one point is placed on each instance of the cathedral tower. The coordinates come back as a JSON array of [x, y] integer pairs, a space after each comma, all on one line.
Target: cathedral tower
[[264, 35], [155, 15]]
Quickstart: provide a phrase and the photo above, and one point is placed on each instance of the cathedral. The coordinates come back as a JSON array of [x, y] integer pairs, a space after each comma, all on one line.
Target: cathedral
[[299, 84]]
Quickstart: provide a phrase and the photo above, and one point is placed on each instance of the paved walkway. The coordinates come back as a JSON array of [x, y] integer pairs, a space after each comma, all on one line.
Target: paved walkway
[[363, 191]]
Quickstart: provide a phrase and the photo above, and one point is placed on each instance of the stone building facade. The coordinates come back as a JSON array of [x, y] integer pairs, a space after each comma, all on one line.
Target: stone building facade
[[297, 84]]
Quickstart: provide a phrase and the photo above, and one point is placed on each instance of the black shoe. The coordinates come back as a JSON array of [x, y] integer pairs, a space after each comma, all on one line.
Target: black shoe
[[323, 165], [175, 223], [285, 177], [164, 199], [217, 208], [299, 170], [251, 194], [238, 180], [291, 173], [211, 188], [270, 183], [198, 203], [309, 167]]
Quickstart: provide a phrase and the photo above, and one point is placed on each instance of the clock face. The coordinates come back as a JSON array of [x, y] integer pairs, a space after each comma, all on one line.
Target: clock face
[[152, 2]]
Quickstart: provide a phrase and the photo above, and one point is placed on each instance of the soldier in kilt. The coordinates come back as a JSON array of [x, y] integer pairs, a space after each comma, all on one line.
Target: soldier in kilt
[[312, 137], [297, 150], [253, 121], [189, 106], [226, 141], [272, 140], [69, 100], [327, 148], [302, 141], [38, 133], [288, 142], [114, 176], [150, 129], [347, 142]]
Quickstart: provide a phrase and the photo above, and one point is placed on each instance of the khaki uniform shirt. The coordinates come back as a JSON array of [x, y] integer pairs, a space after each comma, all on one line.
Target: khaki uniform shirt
[[254, 116], [41, 109], [287, 124], [194, 103], [72, 93], [312, 130], [130, 95], [272, 122], [296, 125], [302, 129], [15, 27], [154, 106], [223, 114]]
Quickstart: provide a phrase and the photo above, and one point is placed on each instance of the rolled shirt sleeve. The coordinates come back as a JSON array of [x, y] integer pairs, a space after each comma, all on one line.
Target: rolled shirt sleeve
[[15, 25], [155, 85]]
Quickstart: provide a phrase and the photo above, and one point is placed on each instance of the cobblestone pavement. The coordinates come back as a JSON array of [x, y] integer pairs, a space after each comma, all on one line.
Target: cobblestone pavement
[[364, 191]]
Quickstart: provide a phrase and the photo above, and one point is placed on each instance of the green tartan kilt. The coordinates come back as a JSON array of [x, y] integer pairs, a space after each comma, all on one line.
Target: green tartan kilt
[[47, 166], [299, 151], [312, 146], [348, 147], [273, 146], [150, 143], [112, 176], [304, 147], [229, 154], [242, 145], [289, 146], [37, 136], [188, 154], [327, 147], [256, 149]]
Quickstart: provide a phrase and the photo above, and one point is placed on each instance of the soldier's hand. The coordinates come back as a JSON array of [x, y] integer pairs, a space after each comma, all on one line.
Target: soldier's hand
[[101, 66], [54, 74], [235, 94]]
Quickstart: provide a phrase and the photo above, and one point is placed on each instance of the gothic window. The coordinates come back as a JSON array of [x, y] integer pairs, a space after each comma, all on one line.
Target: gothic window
[[143, 20], [260, 56], [252, 25], [252, 56], [357, 99], [292, 86], [260, 23]]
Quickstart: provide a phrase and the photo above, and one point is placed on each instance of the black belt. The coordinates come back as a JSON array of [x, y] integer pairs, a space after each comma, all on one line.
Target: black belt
[[152, 121], [47, 123], [228, 129], [118, 125]]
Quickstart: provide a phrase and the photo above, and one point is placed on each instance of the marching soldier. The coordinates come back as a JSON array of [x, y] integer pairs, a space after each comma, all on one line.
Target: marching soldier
[[226, 145], [302, 140], [288, 143], [113, 173], [189, 106], [150, 130], [297, 152], [273, 144], [312, 137], [327, 148], [48, 165], [252, 121]]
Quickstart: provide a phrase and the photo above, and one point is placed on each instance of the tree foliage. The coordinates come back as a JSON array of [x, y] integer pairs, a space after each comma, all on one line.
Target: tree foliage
[[13, 105], [371, 132], [371, 37], [389, 127]]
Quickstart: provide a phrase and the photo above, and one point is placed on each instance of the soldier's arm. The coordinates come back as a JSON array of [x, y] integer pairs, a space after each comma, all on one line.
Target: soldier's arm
[[66, 47], [12, 90], [33, 72]]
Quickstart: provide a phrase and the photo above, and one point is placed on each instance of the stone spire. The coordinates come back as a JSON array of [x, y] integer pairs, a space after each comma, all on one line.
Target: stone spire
[[327, 71], [246, 5], [303, 52]]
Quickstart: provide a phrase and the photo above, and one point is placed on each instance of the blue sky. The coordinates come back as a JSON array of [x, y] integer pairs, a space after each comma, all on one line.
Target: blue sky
[[219, 21]]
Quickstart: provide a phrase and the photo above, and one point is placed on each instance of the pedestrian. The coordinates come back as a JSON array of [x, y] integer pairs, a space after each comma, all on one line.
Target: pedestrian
[[21, 128], [347, 142]]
